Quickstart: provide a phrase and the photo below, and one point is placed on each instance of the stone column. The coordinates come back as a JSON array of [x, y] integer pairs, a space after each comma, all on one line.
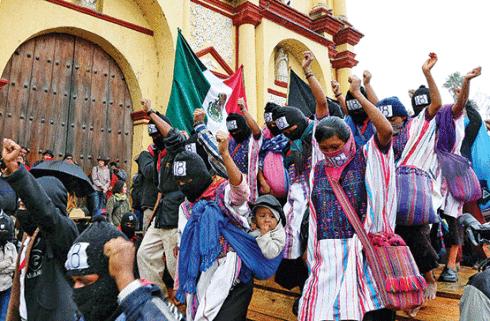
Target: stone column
[[246, 20], [339, 8]]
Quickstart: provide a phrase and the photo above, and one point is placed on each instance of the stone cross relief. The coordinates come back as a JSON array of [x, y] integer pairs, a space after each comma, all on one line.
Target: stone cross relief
[[282, 65]]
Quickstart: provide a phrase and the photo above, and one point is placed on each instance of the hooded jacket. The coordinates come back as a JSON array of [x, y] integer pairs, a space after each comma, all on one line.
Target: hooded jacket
[[48, 295]]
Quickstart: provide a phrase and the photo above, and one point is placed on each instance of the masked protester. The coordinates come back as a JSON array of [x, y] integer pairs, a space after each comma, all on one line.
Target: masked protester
[[272, 176], [40, 290], [217, 258], [129, 226], [357, 119], [245, 144], [298, 161], [8, 257], [354, 168], [100, 264], [420, 99], [161, 237], [148, 164]]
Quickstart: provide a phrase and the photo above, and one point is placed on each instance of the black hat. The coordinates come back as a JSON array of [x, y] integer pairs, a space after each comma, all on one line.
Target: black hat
[[48, 152], [271, 203], [86, 255], [68, 155]]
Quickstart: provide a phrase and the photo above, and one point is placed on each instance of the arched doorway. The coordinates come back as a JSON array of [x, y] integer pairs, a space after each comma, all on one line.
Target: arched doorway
[[68, 95]]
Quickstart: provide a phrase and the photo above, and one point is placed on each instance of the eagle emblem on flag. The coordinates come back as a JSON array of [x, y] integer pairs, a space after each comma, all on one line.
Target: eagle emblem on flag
[[215, 108]]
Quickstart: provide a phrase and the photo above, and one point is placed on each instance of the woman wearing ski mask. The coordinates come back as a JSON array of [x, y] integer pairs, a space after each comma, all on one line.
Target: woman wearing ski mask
[[244, 144], [217, 258], [298, 161], [340, 285]]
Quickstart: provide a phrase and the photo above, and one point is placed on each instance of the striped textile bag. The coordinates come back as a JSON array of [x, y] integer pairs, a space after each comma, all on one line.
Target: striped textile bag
[[400, 285], [461, 179], [414, 195]]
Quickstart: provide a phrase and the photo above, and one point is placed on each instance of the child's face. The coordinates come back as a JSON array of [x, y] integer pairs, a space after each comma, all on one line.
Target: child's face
[[265, 220]]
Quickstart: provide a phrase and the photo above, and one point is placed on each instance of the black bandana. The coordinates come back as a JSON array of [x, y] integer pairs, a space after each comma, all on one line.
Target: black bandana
[[287, 117], [238, 128], [190, 166]]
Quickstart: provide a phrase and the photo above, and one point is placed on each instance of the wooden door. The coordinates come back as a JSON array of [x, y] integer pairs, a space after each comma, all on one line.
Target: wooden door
[[68, 95]]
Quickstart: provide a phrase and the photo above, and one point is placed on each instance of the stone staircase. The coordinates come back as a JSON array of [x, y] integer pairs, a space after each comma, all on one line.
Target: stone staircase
[[271, 302]]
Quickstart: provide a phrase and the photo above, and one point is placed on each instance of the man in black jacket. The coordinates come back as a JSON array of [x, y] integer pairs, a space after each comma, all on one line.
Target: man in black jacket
[[156, 252], [147, 163], [40, 290]]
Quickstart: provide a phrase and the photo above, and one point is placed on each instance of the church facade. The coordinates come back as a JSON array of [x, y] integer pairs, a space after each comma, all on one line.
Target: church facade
[[73, 71]]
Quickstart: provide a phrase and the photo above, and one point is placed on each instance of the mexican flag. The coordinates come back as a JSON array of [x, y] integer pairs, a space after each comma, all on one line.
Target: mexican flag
[[194, 86]]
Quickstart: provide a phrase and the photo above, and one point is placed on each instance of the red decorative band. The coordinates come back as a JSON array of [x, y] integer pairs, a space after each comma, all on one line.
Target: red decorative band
[[102, 16], [277, 93]]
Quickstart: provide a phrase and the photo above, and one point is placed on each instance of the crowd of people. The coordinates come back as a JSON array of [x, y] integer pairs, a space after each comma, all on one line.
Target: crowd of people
[[322, 203]]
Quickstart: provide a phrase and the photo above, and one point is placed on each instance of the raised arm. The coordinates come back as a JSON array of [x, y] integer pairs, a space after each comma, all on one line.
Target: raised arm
[[338, 95], [321, 109], [254, 127], [465, 91], [234, 175], [371, 94], [58, 228], [206, 139], [162, 126], [435, 96], [384, 131]]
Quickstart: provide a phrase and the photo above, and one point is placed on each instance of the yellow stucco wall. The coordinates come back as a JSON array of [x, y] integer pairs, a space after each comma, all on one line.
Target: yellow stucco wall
[[268, 36], [147, 61]]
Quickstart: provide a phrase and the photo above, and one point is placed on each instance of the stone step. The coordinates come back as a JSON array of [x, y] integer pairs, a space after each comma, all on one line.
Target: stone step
[[272, 302], [439, 309]]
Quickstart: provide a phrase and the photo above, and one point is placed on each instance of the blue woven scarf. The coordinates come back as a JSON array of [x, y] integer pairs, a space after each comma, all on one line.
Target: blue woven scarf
[[276, 144], [200, 247]]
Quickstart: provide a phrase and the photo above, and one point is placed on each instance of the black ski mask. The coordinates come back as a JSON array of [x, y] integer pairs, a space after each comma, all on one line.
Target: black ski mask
[[286, 117], [420, 99], [129, 224], [237, 127], [155, 135], [356, 112], [97, 301], [190, 170], [269, 120]]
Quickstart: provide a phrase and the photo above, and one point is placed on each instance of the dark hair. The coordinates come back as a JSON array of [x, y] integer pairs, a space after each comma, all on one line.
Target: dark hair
[[330, 127]]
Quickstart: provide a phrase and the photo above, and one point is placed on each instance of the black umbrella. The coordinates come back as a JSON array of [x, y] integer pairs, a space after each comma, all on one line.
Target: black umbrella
[[72, 176]]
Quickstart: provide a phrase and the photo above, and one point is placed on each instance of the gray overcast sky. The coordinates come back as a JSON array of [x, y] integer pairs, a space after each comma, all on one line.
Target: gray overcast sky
[[398, 36]]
